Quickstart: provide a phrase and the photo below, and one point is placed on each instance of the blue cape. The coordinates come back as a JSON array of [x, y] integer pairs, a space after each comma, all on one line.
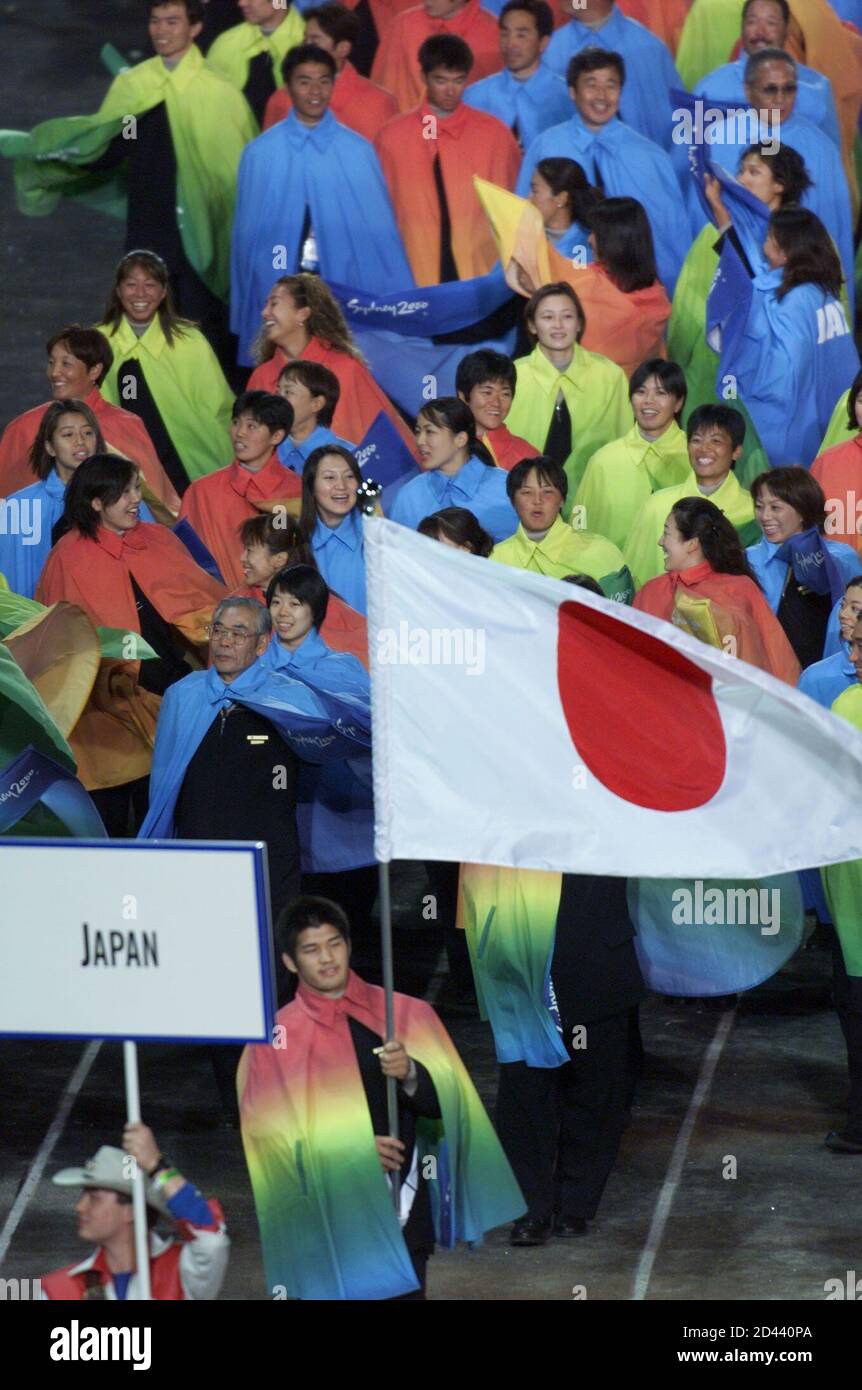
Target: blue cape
[[814, 99], [628, 166], [790, 359], [650, 70], [316, 729], [335, 811], [828, 196], [542, 101], [336, 174]]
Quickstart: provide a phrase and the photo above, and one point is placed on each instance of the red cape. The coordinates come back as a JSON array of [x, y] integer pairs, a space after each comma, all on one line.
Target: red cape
[[217, 505], [507, 448], [361, 399], [95, 574], [396, 66], [839, 472], [627, 328], [468, 142], [356, 102], [123, 431], [739, 609]]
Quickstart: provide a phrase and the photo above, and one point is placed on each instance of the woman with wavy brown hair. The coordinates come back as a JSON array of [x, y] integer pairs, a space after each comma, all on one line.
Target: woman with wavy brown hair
[[301, 318]]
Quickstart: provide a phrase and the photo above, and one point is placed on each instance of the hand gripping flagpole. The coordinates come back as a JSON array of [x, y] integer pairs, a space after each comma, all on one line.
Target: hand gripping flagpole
[[389, 993], [139, 1195]]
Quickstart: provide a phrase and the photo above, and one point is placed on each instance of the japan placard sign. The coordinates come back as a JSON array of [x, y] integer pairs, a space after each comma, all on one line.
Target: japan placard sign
[[145, 940]]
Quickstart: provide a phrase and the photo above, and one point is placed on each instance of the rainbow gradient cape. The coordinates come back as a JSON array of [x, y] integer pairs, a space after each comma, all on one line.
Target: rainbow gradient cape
[[510, 919], [328, 1226]]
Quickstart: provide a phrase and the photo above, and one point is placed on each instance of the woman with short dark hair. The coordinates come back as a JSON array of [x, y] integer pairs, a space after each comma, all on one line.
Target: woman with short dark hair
[[801, 570]]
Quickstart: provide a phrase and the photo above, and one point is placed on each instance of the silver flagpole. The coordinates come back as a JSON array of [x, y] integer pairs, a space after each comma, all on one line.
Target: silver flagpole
[[389, 991]]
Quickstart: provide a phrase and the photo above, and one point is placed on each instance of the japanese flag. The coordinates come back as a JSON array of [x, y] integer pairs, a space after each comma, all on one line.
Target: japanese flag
[[521, 721]]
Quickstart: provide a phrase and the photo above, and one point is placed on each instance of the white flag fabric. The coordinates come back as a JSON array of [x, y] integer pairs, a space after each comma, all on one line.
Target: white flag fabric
[[521, 721]]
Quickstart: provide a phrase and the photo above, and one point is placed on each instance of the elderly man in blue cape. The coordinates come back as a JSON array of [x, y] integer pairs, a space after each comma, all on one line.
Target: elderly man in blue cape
[[765, 24], [239, 750], [770, 82], [526, 95], [651, 75], [310, 196], [615, 157]]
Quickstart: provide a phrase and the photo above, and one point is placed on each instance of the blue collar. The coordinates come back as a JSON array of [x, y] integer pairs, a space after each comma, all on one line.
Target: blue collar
[[466, 480], [311, 649], [348, 531], [299, 135]]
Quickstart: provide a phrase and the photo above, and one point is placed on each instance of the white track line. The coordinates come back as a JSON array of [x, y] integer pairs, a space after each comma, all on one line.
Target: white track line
[[46, 1148], [643, 1274]]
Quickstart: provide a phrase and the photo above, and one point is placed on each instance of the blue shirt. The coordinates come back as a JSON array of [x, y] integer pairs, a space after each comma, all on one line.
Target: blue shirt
[[340, 556], [645, 103], [773, 572], [827, 679], [814, 99], [532, 106], [482, 490], [27, 519], [293, 455]]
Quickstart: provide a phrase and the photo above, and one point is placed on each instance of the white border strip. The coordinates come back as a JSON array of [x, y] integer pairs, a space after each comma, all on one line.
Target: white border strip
[[666, 1196], [46, 1148]]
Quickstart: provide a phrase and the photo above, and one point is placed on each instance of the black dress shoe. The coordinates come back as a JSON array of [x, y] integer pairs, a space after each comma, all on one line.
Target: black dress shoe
[[530, 1232], [570, 1226], [843, 1143]]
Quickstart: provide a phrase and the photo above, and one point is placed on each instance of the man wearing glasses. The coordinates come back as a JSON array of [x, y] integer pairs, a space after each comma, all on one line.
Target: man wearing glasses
[[771, 90], [229, 745], [765, 24]]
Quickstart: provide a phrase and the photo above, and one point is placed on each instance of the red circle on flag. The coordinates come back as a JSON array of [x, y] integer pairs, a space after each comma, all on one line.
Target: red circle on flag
[[642, 716]]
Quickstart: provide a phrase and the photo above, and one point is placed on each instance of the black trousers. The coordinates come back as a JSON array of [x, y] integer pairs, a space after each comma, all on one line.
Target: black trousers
[[443, 882], [123, 808], [561, 1126], [848, 1004]]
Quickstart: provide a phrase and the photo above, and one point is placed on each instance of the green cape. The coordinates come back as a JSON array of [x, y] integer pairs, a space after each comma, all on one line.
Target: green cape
[[210, 123]]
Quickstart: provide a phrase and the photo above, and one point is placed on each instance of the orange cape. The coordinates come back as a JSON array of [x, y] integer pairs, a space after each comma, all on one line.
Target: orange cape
[[739, 612], [217, 505], [361, 399], [468, 143]]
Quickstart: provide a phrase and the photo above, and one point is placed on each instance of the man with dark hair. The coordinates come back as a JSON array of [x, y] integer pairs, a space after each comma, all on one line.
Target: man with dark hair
[[766, 24], [396, 64], [311, 196], [163, 151], [313, 392], [546, 544], [614, 156], [250, 54], [356, 102], [526, 95], [485, 380], [315, 1129], [715, 434], [646, 103], [430, 156], [78, 359], [192, 1266], [217, 505]]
